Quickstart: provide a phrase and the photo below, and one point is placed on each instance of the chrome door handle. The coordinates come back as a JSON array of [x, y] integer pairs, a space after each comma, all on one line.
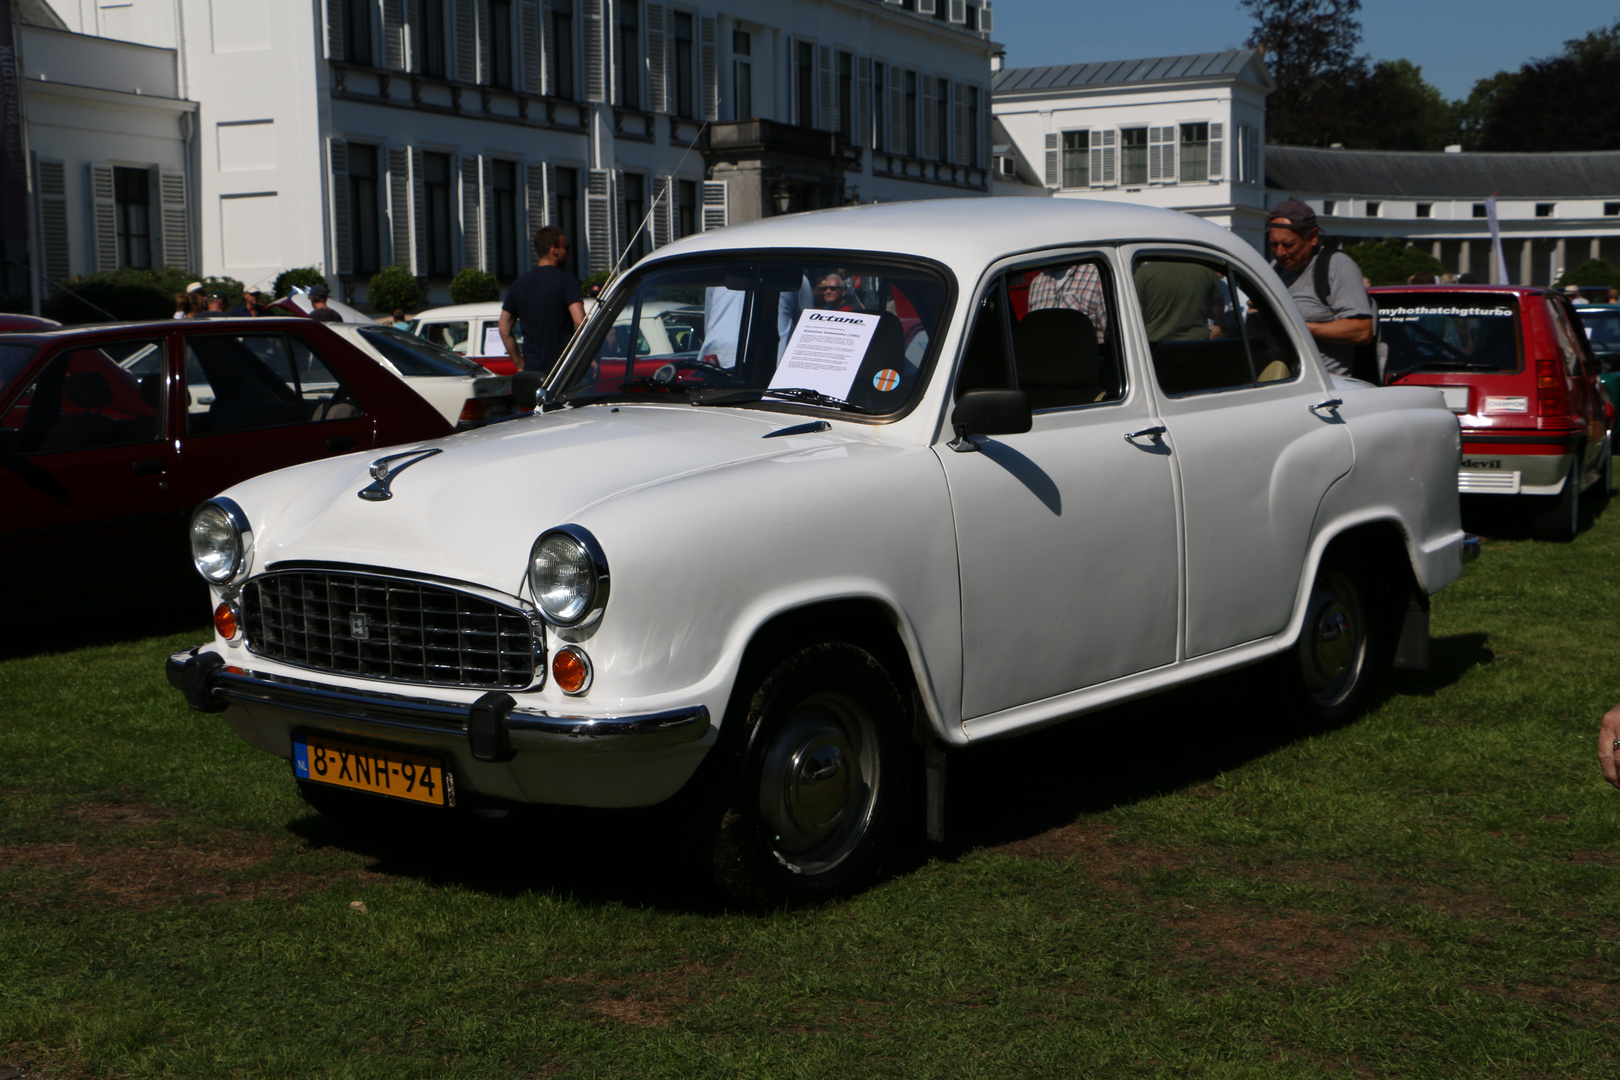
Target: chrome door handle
[[1330, 403], [1146, 433]]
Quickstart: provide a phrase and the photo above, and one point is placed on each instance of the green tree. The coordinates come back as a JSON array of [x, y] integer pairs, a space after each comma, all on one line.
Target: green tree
[[1392, 261], [1309, 47], [118, 294], [474, 286], [1592, 273], [303, 277], [1564, 102], [393, 288], [1392, 107]]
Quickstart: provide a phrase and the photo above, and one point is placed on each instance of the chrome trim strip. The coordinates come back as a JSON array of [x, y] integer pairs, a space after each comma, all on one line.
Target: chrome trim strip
[[530, 729]]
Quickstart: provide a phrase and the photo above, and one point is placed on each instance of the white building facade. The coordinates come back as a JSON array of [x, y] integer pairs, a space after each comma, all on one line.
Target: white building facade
[[439, 134], [1182, 132]]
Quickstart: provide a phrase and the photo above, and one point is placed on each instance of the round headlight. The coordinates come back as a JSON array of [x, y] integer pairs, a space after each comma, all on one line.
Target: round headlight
[[568, 576], [220, 541]]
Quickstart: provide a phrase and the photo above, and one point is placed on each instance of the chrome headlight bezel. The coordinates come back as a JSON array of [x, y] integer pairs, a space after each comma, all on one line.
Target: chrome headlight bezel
[[239, 550], [575, 545]]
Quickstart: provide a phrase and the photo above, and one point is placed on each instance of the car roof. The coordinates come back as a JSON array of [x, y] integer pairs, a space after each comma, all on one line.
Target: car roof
[[957, 231], [153, 325], [464, 311], [1515, 290]]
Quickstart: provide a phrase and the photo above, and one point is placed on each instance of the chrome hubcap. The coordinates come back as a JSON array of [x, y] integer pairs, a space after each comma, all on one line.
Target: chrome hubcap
[[818, 782], [1335, 640]]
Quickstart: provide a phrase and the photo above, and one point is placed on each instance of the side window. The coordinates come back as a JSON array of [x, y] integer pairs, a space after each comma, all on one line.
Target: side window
[[1567, 342], [1271, 354], [87, 398], [986, 362], [452, 335], [256, 381], [1194, 325]]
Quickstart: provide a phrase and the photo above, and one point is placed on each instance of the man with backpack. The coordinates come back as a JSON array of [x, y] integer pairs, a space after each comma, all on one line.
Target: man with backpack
[[1326, 285]]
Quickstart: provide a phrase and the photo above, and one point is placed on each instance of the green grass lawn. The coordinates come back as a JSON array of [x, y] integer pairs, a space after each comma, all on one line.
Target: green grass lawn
[[1186, 887]]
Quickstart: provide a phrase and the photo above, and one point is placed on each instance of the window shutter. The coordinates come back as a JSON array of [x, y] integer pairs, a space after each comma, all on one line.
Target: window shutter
[[716, 210], [1217, 149], [342, 262], [536, 206], [598, 222], [533, 32], [658, 89], [624, 220], [1161, 155], [1053, 175], [1110, 157], [466, 40], [54, 259], [959, 121], [399, 205], [861, 114], [419, 218], [472, 239], [487, 217], [548, 51], [958, 12], [826, 91], [928, 93], [708, 67], [596, 81], [334, 29], [986, 23], [551, 204], [486, 40], [663, 222], [393, 21], [174, 218], [899, 123], [1103, 152], [103, 223], [926, 7], [984, 128]]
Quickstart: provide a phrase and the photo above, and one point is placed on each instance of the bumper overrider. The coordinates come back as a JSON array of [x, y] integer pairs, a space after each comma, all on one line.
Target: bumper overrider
[[496, 726]]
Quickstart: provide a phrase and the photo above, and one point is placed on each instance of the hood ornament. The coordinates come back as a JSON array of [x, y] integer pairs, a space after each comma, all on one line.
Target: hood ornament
[[382, 475]]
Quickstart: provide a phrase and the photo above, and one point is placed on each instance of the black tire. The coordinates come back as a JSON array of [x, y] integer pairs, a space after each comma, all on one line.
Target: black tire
[[1334, 655], [815, 800], [1559, 516], [1606, 475]]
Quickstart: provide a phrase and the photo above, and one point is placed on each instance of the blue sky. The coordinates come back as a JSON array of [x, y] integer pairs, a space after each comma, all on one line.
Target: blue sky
[[1454, 43]]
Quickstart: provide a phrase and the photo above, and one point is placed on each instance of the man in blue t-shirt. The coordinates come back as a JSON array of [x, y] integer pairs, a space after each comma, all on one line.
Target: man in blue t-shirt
[[546, 301]]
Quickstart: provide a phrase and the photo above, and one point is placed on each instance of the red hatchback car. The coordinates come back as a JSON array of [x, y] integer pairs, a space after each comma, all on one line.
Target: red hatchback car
[[1514, 366], [111, 435]]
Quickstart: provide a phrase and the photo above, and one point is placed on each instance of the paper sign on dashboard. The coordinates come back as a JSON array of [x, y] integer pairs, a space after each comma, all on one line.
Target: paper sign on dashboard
[[825, 351], [493, 345]]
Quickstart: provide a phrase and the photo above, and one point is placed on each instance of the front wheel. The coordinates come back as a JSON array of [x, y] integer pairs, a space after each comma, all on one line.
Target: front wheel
[[815, 801], [1334, 653]]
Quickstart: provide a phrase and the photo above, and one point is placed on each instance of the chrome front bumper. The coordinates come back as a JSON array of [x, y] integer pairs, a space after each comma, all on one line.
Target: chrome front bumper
[[495, 725]]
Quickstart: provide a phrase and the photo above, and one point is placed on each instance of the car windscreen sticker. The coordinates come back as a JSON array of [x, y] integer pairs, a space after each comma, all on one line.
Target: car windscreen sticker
[[825, 352], [493, 346], [1411, 314], [887, 379]]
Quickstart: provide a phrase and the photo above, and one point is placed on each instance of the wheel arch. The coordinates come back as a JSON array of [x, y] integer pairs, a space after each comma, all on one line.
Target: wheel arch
[[1380, 553]]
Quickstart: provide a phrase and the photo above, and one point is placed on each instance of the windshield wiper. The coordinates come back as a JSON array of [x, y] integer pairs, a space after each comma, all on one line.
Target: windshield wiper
[[813, 397]]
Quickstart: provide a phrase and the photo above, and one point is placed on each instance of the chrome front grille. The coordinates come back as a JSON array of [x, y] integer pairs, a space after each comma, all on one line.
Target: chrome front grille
[[388, 628]]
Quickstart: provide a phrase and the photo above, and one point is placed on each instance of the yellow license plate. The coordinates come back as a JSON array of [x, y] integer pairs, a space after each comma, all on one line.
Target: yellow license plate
[[366, 768]]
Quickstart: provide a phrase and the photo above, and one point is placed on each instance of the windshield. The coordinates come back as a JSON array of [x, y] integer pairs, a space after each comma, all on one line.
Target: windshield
[[1435, 331], [1602, 329], [13, 358], [413, 356], [823, 330]]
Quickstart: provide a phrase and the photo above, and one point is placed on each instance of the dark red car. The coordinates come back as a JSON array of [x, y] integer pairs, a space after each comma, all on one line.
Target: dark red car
[[1514, 365], [111, 435]]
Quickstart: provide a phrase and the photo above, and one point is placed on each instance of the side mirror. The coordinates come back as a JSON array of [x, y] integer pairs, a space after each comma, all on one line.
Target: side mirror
[[989, 412], [526, 389]]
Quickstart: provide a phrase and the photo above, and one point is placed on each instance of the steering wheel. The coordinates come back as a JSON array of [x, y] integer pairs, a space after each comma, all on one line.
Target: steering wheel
[[713, 374]]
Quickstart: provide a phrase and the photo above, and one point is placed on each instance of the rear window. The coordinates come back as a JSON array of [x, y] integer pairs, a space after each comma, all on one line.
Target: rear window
[[415, 356], [1455, 332]]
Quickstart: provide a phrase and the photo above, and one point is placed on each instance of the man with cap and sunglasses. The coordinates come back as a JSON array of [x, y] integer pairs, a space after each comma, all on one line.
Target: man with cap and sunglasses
[[1333, 301]]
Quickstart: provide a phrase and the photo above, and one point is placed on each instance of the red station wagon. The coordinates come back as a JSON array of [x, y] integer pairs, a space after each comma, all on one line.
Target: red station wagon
[[1514, 366], [111, 435]]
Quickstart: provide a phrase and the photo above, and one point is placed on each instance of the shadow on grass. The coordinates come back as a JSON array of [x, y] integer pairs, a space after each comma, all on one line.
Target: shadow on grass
[[41, 627], [998, 792]]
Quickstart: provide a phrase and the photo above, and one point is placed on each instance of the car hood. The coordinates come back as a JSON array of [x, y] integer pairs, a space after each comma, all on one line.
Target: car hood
[[472, 511]]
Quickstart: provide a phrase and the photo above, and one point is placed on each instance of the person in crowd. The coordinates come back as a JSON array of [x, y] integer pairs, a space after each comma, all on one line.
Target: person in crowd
[[832, 294], [1077, 287], [214, 307], [1341, 317], [1421, 278], [1614, 295], [318, 302], [400, 321], [250, 307], [1574, 294], [546, 301], [182, 305], [1609, 746]]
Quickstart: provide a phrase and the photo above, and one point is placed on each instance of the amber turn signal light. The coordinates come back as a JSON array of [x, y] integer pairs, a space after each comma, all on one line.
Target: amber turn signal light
[[572, 670], [226, 622]]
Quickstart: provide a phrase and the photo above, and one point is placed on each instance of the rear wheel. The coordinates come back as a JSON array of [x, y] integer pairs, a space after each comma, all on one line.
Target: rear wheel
[[1560, 515], [1334, 652]]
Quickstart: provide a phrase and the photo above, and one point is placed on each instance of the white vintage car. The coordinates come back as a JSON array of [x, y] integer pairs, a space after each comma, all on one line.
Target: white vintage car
[[1057, 456]]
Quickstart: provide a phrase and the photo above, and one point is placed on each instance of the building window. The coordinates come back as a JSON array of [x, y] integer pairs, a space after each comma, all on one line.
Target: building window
[[1133, 144], [562, 49], [1479, 210], [357, 31], [742, 75], [1076, 159], [911, 114], [437, 206], [1374, 208], [503, 219], [942, 117], [500, 43], [972, 17], [363, 239], [1194, 152], [431, 35], [846, 95], [805, 79], [132, 205], [1544, 209], [628, 70], [686, 201], [1328, 207], [683, 65], [1611, 209], [1425, 209], [568, 214], [632, 195]]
